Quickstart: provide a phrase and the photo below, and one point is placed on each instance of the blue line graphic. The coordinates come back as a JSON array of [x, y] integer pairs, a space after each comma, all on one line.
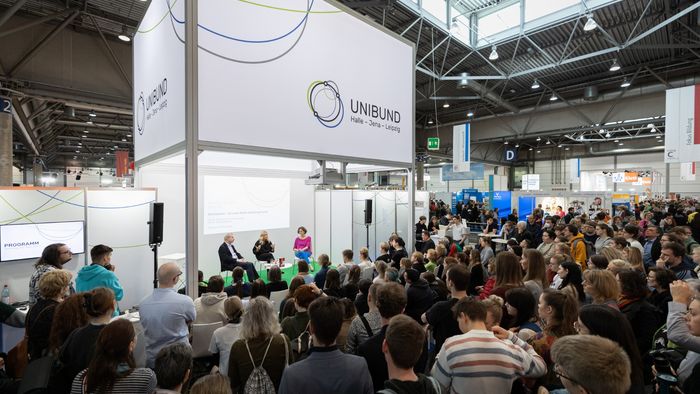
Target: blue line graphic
[[92, 206]]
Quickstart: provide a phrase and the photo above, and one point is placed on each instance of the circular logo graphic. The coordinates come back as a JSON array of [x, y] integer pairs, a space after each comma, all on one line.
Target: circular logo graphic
[[140, 114], [325, 103]]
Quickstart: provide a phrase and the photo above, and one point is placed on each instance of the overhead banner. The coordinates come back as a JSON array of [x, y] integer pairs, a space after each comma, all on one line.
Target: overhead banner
[[575, 170], [302, 76], [618, 177], [688, 172], [476, 173], [121, 162], [682, 139], [631, 177], [460, 147]]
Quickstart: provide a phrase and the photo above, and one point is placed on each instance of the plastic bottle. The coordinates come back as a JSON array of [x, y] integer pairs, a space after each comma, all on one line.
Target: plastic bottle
[[6, 295]]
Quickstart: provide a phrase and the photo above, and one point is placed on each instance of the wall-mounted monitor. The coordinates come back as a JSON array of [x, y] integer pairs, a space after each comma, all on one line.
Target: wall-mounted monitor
[[27, 241]]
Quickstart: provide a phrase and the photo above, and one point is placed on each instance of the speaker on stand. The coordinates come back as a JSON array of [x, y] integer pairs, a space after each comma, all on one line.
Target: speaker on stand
[[155, 235], [368, 218]]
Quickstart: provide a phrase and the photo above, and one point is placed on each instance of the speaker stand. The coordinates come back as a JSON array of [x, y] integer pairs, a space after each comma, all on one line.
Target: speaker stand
[[154, 248], [367, 232]]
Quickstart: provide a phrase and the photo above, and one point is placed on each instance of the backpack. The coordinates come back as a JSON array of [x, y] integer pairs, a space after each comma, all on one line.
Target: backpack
[[258, 380], [434, 383], [301, 345], [590, 250]]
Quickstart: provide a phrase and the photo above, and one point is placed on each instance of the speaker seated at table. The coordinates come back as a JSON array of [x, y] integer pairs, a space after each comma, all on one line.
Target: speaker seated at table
[[230, 258]]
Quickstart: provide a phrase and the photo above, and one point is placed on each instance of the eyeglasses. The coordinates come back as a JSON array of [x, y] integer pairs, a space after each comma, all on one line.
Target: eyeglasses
[[557, 371]]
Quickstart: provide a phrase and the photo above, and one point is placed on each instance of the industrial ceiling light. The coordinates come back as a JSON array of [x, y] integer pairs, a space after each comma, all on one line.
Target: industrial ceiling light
[[658, 136], [661, 141], [590, 23], [494, 53], [430, 121], [535, 84], [607, 135], [470, 113], [92, 114], [539, 139], [86, 131], [621, 143], [505, 142], [615, 66], [517, 145], [89, 121], [553, 98], [616, 141], [567, 148], [84, 136], [123, 139], [446, 105], [559, 146], [548, 142], [128, 135], [124, 36], [530, 149], [539, 151], [464, 82], [626, 83]]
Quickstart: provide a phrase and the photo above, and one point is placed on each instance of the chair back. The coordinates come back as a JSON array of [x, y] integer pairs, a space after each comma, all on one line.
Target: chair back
[[277, 296], [201, 338]]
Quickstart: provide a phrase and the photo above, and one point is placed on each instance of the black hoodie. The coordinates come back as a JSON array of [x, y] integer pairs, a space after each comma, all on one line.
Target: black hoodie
[[422, 386]]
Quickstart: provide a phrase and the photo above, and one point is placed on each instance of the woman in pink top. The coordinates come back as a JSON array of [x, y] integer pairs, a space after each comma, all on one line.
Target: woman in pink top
[[302, 245]]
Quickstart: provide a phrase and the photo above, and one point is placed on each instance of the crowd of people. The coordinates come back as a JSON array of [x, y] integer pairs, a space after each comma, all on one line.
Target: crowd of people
[[584, 304]]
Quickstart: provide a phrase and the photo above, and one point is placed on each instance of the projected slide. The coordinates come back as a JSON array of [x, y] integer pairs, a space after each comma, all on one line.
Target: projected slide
[[245, 204], [27, 241]]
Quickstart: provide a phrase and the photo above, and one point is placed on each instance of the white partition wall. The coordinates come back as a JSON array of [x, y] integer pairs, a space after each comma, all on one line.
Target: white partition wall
[[341, 222], [385, 215], [321, 241]]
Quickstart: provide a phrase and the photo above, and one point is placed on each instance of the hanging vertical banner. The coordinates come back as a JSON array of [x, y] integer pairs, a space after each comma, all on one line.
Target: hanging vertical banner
[[460, 148], [682, 140], [631, 177], [688, 171], [121, 162], [575, 170]]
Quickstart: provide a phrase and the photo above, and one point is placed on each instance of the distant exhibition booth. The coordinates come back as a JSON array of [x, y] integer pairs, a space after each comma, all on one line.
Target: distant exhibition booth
[[258, 128]]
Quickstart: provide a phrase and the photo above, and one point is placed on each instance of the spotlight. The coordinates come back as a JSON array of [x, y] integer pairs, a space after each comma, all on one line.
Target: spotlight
[[535, 84], [124, 36], [86, 131], [590, 23], [505, 142], [616, 141], [430, 121], [92, 114], [625, 84], [621, 143], [559, 146], [494, 53], [539, 151], [530, 149], [658, 136], [539, 139], [89, 121], [553, 98], [567, 148], [470, 113], [548, 142], [517, 145], [84, 136], [446, 105], [615, 66], [607, 135]]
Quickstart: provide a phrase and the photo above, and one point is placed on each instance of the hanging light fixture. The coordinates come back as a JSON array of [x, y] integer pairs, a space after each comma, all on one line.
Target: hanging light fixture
[[590, 23], [470, 113], [124, 36], [92, 114], [548, 142], [446, 105], [494, 53], [615, 66], [626, 83], [539, 139], [535, 84], [530, 149], [607, 135], [517, 145], [553, 98], [430, 121]]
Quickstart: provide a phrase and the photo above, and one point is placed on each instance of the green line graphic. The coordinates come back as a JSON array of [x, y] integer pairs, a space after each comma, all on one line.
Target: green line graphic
[[27, 217]]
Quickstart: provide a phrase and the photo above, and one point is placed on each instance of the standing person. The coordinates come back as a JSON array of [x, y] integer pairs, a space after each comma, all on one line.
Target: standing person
[[644, 318], [264, 248], [427, 243], [223, 338], [342, 373], [483, 361], [522, 312], [210, 306], [165, 314], [419, 295], [547, 245], [384, 253], [112, 369], [274, 280], [605, 235], [100, 273], [173, 368], [260, 345], [69, 316], [508, 274], [577, 245], [630, 232], [572, 281], [458, 231], [673, 257], [652, 246], [302, 245], [421, 226], [294, 326], [230, 258], [602, 287], [440, 316], [535, 269], [366, 265], [402, 347], [660, 279], [53, 287], [486, 252], [364, 325], [52, 258], [399, 251]]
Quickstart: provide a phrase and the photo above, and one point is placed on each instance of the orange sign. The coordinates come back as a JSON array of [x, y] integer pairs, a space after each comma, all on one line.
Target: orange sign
[[646, 181], [122, 162], [631, 177]]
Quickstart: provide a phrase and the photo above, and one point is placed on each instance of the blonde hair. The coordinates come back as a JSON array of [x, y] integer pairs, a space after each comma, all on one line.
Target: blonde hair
[[52, 283], [603, 284], [618, 265], [634, 256], [611, 253], [441, 250], [212, 383], [364, 252], [432, 254]]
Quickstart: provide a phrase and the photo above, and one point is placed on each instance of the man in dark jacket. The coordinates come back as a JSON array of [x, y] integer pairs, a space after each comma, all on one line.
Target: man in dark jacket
[[420, 296], [673, 257], [569, 216], [427, 242]]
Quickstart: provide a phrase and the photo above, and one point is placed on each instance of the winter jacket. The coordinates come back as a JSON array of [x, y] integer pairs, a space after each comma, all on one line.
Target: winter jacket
[[420, 298]]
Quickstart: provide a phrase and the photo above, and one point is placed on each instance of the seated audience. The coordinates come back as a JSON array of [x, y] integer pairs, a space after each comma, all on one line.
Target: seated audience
[[210, 306], [332, 286], [100, 273], [482, 361], [417, 262], [350, 289], [384, 253], [274, 279], [360, 300], [591, 364], [522, 313], [223, 338], [535, 270], [295, 325], [349, 313], [616, 266], [381, 267], [320, 277], [597, 262], [572, 281], [364, 325], [173, 368], [112, 368], [165, 314], [53, 257], [341, 373], [53, 288], [346, 265], [296, 282], [78, 349], [211, 384], [494, 311], [402, 347], [438, 287], [258, 289], [238, 287], [69, 316], [260, 344], [303, 272]]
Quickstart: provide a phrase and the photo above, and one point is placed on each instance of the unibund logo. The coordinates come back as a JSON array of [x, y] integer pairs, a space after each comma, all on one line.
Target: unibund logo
[[148, 106], [325, 103], [23, 244]]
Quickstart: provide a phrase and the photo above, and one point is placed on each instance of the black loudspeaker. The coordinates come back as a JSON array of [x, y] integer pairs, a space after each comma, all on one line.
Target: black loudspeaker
[[368, 211], [155, 224]]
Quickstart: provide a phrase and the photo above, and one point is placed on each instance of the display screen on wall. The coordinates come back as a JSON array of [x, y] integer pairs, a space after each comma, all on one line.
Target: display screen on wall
[[27, 241], [233, 204]]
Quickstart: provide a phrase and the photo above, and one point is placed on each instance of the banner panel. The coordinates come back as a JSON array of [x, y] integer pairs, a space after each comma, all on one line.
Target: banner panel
[[460, 147], [682, 142]]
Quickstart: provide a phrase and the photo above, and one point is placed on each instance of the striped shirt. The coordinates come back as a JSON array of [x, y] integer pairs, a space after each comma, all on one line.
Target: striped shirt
[[478, 362], [139, 381]]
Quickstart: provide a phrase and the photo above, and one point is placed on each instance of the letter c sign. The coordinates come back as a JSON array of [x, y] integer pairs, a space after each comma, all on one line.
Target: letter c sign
[[510, 155]]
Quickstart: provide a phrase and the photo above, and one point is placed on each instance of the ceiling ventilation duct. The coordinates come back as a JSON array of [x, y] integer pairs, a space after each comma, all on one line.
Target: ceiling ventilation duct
[[590, 93]]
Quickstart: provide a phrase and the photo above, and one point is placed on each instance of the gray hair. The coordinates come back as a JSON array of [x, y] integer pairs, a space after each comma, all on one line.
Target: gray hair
[[522, 223], [172, 364], [259, 320], [694, 285]]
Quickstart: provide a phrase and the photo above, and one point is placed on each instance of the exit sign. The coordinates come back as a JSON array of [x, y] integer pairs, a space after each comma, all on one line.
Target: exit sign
[[433, 143]]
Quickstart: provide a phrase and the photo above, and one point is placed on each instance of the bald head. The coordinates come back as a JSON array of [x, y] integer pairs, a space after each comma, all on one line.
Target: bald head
[[168, 275]]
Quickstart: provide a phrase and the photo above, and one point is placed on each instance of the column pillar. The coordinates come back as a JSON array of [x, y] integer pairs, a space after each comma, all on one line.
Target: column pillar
[[37, 170], [5, 141], [420, 175]]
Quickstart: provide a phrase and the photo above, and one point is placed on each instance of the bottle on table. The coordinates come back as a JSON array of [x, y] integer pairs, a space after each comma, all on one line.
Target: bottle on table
[[6, 295]]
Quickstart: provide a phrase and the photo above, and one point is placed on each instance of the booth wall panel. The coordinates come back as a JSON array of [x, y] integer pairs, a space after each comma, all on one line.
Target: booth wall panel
[[385, 216], [403, 212], [322, 223], [123, 226], [341, 222]]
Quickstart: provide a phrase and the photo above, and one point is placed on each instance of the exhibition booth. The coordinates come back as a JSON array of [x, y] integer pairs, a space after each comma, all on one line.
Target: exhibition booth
[[253, 120]]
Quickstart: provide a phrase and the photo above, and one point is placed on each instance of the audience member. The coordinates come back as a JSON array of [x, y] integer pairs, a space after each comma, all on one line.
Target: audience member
[[419, 295], [652, 246], [349, 313], [659, 280], [350, 289], [618, 265], [547, 245], [303, 271], [320, 277], [535, 270], [440, 316], [296, 282], [402, 347], [238, 287], [341, 373], [508, 273], [602, 287], [344, 268], [295, 325], [364, 325], [53, 288], [112, 369], [597, 262], [360, 300], [260, 345], [332, 285], [53, 257], [577, 244], [494, 311], [173, 368], [384, 253], [683, 324], [100, 273], [438, 287], [522, 313], [644, 318], [224, 337], [212, 384], [399, 252], [673, 257], [480, 360], [209, 307], [258, 289], [572, 281], [274, 279], [165, 314], [69, 316]]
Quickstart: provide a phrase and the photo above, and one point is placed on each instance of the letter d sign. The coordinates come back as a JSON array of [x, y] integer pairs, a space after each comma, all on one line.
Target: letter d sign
[[510, 155]]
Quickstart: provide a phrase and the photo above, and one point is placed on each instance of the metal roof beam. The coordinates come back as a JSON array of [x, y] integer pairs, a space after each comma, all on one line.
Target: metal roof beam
[[11, 11]]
